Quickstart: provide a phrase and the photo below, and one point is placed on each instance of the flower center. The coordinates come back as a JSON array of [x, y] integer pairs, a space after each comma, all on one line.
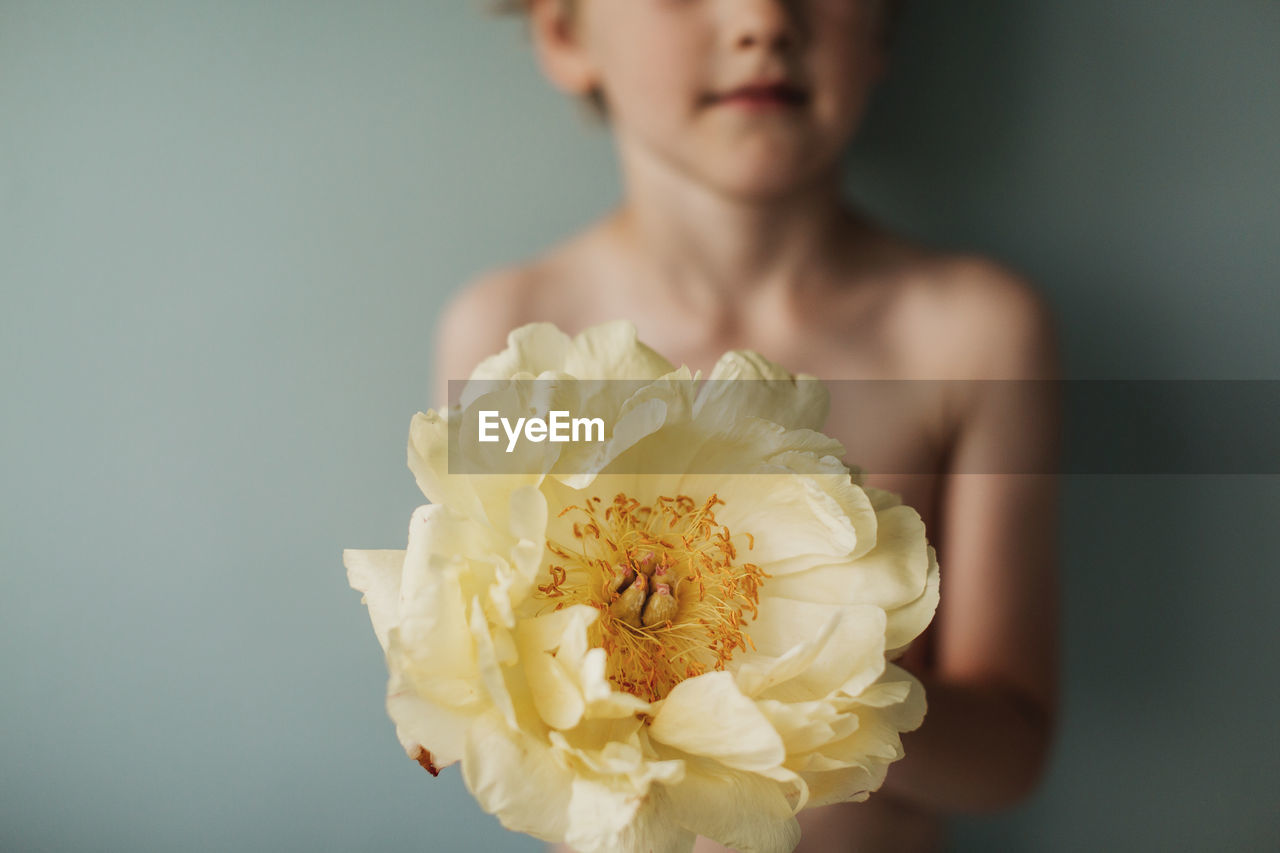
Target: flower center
[[667, 582]]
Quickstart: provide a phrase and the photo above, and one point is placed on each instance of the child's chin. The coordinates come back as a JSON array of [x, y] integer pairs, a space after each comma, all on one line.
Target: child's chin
[[761, 181]]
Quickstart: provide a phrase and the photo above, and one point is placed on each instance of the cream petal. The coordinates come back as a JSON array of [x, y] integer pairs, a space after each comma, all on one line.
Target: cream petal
[[422, 723], [518, 778], [439, 538], [556, 628], [508, 589], [620, 451], [489, 665], [648, 828], [613, 351], [889, 692], [806, 726], [877, 740], [448, 680], [551, 662], [433, 611], [708, 715], [756, 673], [546, 741], [428, 456], [844, 785], [851, 656], [377, 575], [631, 412], [604, 702], [851, 659], [769, 392], [873, 746], [526, 559], [739, 810], [909, 621], [528, 525], [606, 746], [795, 523], [511, 398], [746, 445], [483, 498], [532, 348], [598, 814], [830, 474], [624, 760], [528, 513], [556, 695], [894, 573]]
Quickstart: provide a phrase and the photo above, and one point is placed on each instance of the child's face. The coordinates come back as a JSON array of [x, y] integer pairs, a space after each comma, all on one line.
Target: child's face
[[668, 68]]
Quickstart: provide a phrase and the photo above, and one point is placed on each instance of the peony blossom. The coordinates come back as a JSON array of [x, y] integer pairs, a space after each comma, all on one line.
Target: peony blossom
[[624, 647]]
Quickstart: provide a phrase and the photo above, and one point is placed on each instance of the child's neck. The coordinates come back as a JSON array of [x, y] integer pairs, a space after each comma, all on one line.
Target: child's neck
[[707, 245]]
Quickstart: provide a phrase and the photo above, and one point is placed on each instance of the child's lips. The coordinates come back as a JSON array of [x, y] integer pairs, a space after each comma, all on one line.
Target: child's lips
[[763, 96]]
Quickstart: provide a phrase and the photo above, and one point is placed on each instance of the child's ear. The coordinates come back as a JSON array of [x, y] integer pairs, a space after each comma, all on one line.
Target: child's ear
[[556, 34]]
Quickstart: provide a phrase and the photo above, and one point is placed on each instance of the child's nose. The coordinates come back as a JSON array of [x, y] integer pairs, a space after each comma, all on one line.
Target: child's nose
[[761, 23]]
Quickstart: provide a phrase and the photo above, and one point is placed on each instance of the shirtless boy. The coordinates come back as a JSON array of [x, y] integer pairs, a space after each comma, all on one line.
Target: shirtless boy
[[730, 118]]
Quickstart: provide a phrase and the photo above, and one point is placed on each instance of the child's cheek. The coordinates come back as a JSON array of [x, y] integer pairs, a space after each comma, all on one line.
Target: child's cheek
[[656, 70]]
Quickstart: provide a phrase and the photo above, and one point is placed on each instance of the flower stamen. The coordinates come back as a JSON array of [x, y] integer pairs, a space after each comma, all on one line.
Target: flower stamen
[[674, 602]]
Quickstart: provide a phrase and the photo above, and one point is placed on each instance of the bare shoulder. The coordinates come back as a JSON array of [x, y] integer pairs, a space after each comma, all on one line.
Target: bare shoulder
[[477, 318], [553, 286], [985, 321], [1010, 324], [476, 321]]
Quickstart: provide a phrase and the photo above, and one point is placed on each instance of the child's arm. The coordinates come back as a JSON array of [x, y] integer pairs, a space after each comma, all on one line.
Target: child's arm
[[992, 682]]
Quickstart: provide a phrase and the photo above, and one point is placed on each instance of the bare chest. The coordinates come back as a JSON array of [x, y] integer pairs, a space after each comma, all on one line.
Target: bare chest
[[890, 418], [893, 426]]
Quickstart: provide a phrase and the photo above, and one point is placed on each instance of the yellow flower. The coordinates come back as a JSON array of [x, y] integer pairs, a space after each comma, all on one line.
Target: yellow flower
[[626, 647]]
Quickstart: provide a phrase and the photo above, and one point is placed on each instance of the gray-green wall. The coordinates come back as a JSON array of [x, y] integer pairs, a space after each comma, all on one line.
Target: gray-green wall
[[226, 229]]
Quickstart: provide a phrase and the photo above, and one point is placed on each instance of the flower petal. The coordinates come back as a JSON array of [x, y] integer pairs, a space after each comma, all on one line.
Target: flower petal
[[422, 723], [377, 575], [490, 664], [769, 391], [849, 657], [481, 498], [553, 682], [890, 575], [595, 826], [435, 637], [909, 621], [603, 701], [807, 726], [739, 810], [485, 672], [709, 716], [613, 351], [517, 777], [847, 768], [795, 522]]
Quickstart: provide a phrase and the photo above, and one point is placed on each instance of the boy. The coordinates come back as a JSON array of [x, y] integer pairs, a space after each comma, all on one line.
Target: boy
[[730, 117]]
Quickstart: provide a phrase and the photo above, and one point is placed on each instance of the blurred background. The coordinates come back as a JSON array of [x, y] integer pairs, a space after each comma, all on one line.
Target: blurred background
[[227, 229]]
